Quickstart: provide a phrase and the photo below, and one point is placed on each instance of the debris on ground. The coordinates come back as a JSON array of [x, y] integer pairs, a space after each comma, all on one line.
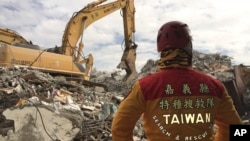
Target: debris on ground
[[40, 107]]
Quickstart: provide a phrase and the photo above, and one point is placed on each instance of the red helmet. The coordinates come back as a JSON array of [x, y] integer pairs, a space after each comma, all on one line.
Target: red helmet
[[174, 34]]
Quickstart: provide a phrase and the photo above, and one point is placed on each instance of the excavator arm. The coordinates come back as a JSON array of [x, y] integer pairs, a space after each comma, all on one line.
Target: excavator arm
[[129, 55], [11, 37], [94, 11]]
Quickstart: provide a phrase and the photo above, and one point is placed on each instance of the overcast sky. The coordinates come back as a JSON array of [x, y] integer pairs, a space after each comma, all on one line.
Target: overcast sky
[[217, 26]]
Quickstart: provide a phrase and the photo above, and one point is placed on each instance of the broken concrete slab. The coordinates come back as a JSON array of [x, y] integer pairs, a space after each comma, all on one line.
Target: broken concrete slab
[[39, 124]]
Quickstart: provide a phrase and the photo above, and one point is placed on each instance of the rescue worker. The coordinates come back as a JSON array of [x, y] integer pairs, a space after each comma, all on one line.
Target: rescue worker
[[177, 103]]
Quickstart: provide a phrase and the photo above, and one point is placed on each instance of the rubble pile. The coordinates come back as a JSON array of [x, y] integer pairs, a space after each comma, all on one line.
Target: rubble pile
[[20, 88], [217, 65], [55, 108]]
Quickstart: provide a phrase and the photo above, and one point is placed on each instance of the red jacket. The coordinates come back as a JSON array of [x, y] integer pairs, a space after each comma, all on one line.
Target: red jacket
[[177, 105]]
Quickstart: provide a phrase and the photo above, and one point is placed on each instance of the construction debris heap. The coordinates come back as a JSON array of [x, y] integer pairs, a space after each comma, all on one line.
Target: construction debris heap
[[37, 106]]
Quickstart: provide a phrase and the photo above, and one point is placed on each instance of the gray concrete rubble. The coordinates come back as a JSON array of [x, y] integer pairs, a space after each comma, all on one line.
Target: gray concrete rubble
[[40, 107]]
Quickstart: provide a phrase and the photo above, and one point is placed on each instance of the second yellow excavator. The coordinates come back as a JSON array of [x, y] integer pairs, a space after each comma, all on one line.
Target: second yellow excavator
[[11, 37], [68, 58]]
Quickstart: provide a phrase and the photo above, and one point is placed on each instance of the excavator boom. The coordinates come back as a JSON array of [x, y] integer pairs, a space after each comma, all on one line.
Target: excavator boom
[[89, 14]]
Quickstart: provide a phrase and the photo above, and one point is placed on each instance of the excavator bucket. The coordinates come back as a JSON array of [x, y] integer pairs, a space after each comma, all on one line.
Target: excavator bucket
[[128, 62]]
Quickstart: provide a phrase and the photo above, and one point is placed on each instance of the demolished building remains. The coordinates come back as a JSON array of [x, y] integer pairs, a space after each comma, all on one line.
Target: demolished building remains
[[41, 107]]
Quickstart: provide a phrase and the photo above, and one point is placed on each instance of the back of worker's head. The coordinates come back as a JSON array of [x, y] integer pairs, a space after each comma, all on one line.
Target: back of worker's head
[[172, 36]]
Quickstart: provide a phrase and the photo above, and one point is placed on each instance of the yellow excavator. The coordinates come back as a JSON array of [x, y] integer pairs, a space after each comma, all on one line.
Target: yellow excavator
[[68, 58]]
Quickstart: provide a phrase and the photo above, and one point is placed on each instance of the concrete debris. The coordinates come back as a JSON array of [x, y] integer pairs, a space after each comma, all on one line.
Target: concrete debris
[[39, 106], [29, 125]]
